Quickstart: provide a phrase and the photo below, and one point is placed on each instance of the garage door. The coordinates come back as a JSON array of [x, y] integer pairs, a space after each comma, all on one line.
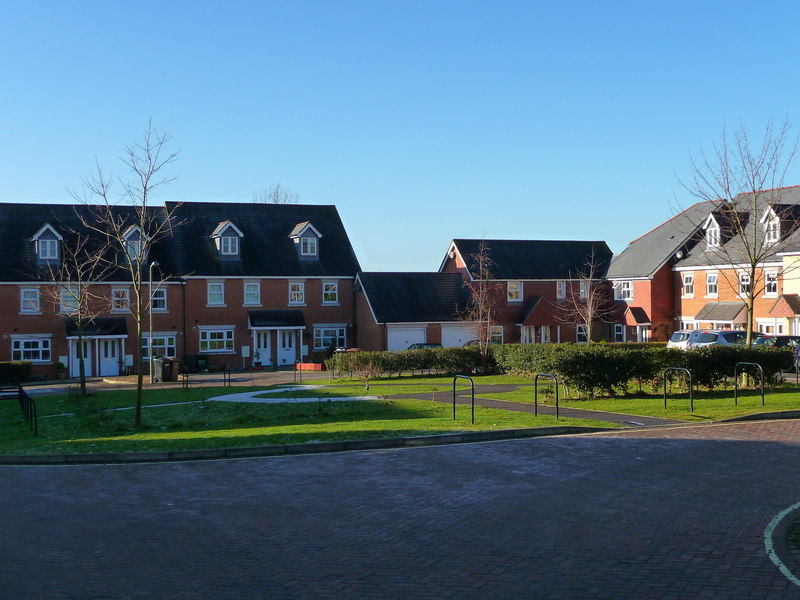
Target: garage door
[[457, 334], [400, 338]]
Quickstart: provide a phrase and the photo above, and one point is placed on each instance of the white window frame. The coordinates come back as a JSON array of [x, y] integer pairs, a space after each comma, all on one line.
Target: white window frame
[[47, 248], [330, 293], [496, 334], [771, 281], [229, 245], [38, 346], [330, 333], [772, 231], [687, 285], [619, 332], [297, 293], [221, 336], [744, 283], [712, 236], [709, 284], [123, 294], [581, 334], [251, 293], [215, 293], [308, 246], [30, 301], [169, 343], [69, 299], [623, 290], [514, 291], [545, 331], [561, 289], [159, 296], [583, 290]]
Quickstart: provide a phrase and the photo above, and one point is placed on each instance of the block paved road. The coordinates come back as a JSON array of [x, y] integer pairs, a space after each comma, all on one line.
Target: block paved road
[[658, 513]]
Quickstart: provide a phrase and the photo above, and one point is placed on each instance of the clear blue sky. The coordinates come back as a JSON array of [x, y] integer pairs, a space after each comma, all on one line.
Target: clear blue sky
[[421, 121]]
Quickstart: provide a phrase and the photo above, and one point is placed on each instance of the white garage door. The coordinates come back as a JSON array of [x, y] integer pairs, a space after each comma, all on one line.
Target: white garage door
[[457, 334], [400, 338]]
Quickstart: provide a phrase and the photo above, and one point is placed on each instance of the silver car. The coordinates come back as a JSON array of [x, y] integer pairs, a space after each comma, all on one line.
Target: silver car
[[679, 339], [717, 337]]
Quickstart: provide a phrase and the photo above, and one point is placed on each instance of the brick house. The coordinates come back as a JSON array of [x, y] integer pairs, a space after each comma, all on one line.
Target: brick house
[[643, 279], [534, 282], [395, 310], [237, 279]]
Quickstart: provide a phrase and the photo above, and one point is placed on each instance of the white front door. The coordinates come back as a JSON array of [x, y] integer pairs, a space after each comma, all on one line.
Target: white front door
[[263, 347], [109, 358], [76, 349], [286, 353]]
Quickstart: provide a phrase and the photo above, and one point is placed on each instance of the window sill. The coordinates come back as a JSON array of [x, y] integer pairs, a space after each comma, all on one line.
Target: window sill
[[217, 351], [711, 296], [160, 311], [253, 305], [297, 304], [29, 312], [216, 306], [331, 304], [770, 295]]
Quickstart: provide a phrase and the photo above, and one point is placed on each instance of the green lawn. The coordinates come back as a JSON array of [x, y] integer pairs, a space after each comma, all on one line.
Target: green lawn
[[96, 424], [708, 406]]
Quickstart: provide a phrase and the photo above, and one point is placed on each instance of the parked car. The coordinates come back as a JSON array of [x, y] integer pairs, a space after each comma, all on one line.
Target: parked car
[[718, 337], [778, 341], [679, 339], [424, 346]]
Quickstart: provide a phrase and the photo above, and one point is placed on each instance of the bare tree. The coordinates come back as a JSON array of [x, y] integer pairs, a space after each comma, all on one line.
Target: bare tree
[[82, 262], [744, 175], [588, 298], [132, 227], [276, 194], [485, 293]]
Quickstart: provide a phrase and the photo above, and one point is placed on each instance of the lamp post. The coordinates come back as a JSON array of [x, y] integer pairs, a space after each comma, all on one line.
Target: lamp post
[[150, 310]]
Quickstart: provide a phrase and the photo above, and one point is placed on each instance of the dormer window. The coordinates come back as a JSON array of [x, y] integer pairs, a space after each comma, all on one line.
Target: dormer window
[[772, 226], [712, 232], [307, 237], [47, 241], [227, 238], [135, 245]]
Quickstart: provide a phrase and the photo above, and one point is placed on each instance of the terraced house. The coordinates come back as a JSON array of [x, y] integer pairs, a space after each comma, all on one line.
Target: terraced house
[[238, 283]]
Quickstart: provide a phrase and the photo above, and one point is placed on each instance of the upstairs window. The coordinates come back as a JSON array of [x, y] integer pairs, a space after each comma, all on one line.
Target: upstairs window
[[307, 237], [688, 285], [623, 290], [29, 300], [252, 293], [330, 292], [561, 289], [297, 292], [744, 284], [48, 249], [120, 299], [135, 246], [771, 283], [514, 292], [712, 285], [584, 290], [230, 245], [773, 230], [712, 236], [216, 293], [159, 299], [69, 298]]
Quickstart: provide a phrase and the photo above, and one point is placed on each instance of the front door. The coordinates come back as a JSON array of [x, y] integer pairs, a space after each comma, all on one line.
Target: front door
[[263, 348], [286, 353], [109, 358], [80, 348]]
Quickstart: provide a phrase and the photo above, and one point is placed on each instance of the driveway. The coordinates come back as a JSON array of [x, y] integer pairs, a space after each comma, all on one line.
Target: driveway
[[655, 513]]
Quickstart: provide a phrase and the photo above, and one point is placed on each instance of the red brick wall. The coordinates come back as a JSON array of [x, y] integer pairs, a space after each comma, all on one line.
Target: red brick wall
[[369, 335]]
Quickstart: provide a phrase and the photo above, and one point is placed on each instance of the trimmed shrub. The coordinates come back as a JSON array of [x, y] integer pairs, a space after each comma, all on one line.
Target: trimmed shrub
[[15, 371]]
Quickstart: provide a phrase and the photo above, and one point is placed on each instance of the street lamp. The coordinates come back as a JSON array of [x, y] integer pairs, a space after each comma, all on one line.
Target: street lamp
[[150, 309]]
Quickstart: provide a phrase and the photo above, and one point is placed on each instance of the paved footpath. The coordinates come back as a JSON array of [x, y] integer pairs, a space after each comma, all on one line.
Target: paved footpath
[[646, 513]]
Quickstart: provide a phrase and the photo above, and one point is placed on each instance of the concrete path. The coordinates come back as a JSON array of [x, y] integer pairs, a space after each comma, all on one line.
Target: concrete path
[[644, 513]]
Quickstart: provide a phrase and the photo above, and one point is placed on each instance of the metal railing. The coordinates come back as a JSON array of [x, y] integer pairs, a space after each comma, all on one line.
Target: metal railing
[[26, 404], [691, 390], [551, 377], [472, 385], [736, 381]]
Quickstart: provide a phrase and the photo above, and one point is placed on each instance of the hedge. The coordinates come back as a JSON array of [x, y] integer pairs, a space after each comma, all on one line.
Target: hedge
[[590, 369], [15, 371]]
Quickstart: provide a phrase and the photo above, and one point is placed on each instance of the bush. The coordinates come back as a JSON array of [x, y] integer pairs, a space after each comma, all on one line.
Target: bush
[[15, 371], [448, 360]]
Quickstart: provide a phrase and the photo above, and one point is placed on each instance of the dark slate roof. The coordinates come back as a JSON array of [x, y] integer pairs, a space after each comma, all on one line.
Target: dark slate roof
[[415, 297], [536, 259], [276, 318], [646, 254], [19, 222], [266, 249], [793, 302], [783, 200], [721, 311], [97, 326]]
